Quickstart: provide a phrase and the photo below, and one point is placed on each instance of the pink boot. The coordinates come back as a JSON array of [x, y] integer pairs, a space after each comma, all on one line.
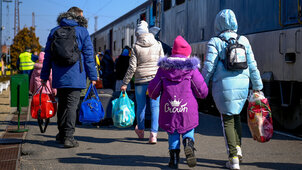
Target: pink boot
[[153, 138], [140, 133]]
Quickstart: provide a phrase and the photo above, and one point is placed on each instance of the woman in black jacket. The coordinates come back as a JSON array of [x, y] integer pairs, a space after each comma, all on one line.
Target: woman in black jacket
[[121, 66]]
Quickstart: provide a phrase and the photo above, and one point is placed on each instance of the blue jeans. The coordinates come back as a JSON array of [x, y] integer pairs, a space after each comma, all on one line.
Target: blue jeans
[[140, 95], [174, 139]]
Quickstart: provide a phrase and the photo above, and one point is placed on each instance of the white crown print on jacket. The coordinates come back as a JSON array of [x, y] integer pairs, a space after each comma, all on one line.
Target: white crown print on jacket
[[175, 103], [175, 106]]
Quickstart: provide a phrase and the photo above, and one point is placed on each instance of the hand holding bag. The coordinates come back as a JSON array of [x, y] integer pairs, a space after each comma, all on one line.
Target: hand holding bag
[[123, 114], [43, 106], [259, 117], [91, 110]]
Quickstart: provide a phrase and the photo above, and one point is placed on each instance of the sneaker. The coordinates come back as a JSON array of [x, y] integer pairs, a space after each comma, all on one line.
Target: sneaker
[[233, 163], [60, 138], [239, 153], [70, 142], [140, 133], [153, 138]]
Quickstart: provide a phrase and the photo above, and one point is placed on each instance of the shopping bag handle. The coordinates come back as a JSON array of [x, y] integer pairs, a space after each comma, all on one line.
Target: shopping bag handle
[[94, 91], [123, 94]]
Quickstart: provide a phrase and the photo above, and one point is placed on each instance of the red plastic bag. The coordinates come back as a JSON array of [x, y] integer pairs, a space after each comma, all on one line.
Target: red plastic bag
[[42, 104], [259, 117]]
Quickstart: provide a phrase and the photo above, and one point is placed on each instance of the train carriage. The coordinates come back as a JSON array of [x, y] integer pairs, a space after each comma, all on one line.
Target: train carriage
[[273, 28]]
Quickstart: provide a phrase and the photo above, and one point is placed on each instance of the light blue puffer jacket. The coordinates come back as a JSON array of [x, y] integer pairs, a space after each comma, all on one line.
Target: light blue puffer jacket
[[229, 88]]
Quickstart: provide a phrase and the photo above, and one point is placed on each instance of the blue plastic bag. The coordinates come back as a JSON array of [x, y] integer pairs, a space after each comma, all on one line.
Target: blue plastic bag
[[92, 110], [123, 114]]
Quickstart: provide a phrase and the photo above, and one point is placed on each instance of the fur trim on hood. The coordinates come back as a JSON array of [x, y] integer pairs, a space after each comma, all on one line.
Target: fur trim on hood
[[179, 63], [82, 21]]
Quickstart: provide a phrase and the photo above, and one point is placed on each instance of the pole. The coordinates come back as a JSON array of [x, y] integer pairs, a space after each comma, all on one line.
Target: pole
[[1, 28]]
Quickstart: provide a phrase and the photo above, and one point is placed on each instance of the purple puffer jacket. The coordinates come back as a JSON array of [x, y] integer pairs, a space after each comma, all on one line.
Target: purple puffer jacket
[[178, 81]]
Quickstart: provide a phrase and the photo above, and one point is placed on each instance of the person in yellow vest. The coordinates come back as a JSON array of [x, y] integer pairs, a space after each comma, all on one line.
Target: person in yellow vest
[[98, 59], [26, 61]]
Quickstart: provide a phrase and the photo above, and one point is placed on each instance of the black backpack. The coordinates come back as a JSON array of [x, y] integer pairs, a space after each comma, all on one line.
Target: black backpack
[[235, 55], [64, 47]]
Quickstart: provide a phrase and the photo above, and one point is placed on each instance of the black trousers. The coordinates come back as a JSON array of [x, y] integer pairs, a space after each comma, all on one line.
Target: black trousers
[[68, 99]]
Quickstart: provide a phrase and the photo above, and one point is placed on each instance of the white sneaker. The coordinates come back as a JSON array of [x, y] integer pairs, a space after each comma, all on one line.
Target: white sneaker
[[239, 153], [233, 163]]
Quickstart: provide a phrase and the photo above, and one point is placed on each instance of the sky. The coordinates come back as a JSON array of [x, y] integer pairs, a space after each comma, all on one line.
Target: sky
[[47, 11]]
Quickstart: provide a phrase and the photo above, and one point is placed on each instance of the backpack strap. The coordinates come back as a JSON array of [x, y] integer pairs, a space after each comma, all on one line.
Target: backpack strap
[[80, 51]]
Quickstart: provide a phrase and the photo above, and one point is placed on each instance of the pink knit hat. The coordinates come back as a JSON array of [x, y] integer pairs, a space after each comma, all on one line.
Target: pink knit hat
[[181, 47], [41, 57]]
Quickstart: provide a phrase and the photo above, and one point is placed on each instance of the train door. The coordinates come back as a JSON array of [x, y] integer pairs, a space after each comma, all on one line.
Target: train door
[[181, 19]]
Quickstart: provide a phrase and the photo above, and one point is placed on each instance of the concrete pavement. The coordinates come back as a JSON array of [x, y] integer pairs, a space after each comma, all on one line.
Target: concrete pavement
[[113, 148]]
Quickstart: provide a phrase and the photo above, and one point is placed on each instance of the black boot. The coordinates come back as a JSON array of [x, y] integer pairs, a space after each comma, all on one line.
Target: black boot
[[174, 158], [189, 152]]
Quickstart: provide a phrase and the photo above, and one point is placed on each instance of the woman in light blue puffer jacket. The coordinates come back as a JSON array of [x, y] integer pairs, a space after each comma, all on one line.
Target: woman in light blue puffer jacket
[[230, 88]]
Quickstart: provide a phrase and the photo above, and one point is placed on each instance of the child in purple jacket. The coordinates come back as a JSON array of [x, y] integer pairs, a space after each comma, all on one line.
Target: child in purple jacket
[[179, 81]]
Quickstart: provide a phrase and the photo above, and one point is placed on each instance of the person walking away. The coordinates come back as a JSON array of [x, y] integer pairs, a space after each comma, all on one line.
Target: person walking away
[[70, 68], [26, 61], [35, 80], [167, 49], [121, 66], [143, 65], [107, 65], [230, 87], [178, 81]]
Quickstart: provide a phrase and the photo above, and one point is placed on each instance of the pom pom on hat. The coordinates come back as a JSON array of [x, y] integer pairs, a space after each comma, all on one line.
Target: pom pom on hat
[[181, 47]]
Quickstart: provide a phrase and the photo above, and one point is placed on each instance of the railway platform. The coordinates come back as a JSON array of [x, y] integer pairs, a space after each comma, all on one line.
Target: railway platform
[[108, 147]]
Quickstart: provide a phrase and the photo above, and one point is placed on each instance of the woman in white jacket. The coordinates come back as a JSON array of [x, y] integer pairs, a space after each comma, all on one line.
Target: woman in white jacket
[[143, 65]]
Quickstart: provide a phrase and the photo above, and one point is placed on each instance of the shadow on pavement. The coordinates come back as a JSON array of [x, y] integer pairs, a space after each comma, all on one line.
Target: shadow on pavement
[[135, 160]]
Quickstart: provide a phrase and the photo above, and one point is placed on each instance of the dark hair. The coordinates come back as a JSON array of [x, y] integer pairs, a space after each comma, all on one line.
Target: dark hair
[[77, 11], [27, 48]]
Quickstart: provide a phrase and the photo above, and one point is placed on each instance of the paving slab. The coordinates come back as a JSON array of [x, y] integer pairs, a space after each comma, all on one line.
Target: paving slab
[[113, 148]]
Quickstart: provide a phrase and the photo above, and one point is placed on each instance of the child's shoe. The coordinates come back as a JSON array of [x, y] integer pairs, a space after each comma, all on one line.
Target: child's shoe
[[153, 138], [233, 163], [174, 158], [189, 152], [239, 153], [140, 133]]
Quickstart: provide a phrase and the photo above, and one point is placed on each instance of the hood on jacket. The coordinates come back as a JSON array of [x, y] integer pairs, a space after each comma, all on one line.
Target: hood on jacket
[[181, 46], [155, 31], [178, 68], [107, 56], [125, 52], [70, 19], [146, 40], [142, 28], [225, 20]]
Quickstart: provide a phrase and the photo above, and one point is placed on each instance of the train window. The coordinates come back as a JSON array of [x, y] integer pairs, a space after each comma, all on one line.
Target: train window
[[123, 42], [114, 45], [143, 16], [154, 8], [178, 2], [131, 40], [94, 43], [167, 4]]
